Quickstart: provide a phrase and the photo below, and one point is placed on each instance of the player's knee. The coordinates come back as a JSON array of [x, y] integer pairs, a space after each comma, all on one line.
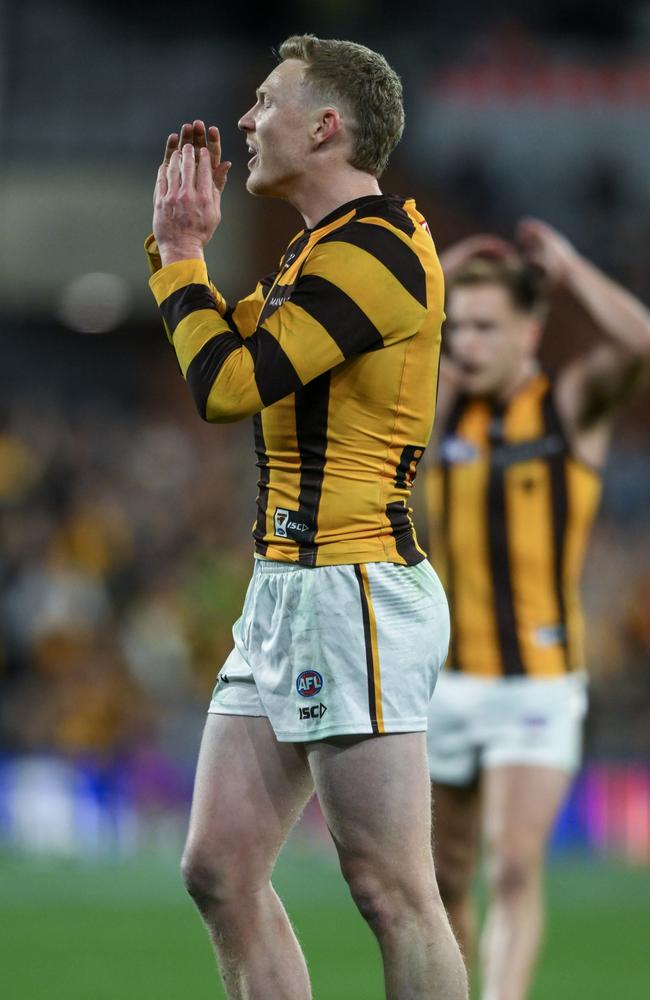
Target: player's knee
[[375, 904], [211, 879], [202, 878], [454, 880], [383, 900], [511, 875]]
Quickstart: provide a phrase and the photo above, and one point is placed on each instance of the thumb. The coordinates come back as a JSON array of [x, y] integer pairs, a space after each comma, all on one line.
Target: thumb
[[221, 175]]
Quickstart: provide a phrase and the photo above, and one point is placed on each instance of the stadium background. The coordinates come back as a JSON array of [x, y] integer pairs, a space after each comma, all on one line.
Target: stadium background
[[125, 520]]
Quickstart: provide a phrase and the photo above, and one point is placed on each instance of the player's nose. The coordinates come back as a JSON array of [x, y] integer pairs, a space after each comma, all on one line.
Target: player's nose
[[247, 123]]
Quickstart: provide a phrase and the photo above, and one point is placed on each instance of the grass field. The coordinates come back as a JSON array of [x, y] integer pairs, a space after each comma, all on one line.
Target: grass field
[[72, 931]]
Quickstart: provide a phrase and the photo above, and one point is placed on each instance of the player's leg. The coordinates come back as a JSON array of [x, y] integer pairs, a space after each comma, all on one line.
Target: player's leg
[[374, 792], [452, 745], [456, 841], [249, 790], [520, 805]]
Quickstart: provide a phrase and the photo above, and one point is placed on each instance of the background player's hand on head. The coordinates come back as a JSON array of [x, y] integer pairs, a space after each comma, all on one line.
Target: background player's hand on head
[[544, 246], [187, 196], [482, 245]]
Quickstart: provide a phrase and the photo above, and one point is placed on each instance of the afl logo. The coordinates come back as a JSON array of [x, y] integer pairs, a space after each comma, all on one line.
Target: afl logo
[[309, 683]]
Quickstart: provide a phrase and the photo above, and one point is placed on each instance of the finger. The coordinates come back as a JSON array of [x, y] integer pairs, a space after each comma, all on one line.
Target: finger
[[204, 184], [171, 145], [200, 137], [188, 166], [487, 244], [220, 175], [214, 146], [200, 140], [174, 173], [161, 180], [187, 135]]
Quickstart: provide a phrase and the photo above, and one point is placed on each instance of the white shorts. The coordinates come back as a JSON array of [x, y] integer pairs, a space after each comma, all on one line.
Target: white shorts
[[476, 723], [336, 650]]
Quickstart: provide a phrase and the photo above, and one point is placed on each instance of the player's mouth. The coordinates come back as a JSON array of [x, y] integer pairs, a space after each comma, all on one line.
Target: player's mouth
[[255, 152], [469, 368]]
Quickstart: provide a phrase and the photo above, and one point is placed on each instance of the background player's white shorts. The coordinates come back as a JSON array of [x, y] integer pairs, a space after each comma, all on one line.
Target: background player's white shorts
[[476, 723], [336, 650]]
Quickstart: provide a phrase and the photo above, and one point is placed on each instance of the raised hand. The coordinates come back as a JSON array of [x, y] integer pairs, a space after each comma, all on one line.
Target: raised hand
[[544, 246], [482, 245], [187, 196]]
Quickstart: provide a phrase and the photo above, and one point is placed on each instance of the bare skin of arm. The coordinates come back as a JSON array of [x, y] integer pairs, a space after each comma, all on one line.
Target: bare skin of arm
[[591, 388]]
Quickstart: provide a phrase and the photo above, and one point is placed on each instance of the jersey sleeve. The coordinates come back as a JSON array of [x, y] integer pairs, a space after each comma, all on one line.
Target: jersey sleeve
[[362, 288], [242, 317]]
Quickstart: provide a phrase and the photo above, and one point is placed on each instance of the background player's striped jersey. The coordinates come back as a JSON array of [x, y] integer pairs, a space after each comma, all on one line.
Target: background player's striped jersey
[[510, 511], [336, 355]]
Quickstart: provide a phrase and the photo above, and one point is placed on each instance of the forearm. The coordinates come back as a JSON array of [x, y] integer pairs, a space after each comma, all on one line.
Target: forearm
[[217, 367], [617, 313]]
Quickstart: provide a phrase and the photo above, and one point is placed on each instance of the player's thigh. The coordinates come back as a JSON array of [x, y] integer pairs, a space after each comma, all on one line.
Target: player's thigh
[[248, 792], [375, 795], [456, 820], [520, 806]]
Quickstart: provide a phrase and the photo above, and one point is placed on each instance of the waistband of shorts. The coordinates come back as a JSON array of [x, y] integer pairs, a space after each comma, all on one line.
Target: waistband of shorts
[[275, 566]]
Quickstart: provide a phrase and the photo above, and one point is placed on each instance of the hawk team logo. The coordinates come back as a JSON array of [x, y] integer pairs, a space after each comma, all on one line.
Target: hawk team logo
[[280, 521], [292, 524], [309, 683]]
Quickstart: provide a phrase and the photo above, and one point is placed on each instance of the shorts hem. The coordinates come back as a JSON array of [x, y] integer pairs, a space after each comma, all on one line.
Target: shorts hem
[[352, 729], [236, 710], [530, 760]]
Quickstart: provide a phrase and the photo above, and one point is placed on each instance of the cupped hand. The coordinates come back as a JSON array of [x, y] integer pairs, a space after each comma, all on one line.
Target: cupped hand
[[187, 196]]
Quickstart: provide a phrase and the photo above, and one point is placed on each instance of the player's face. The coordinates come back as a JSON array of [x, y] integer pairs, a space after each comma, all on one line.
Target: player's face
[[488, 338], [277, 131]]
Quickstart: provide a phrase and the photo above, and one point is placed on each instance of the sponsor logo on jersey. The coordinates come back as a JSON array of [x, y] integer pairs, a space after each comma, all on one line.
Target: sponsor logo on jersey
[[549, 635], [292, 524], [308, 712], [455, 450], [535, 721], [309, 683]]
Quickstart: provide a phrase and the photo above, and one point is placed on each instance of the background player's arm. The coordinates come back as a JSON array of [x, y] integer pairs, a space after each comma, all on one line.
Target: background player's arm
[[591, 387]]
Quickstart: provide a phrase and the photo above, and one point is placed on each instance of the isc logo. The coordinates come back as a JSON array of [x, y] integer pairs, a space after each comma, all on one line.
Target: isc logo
[[309, 683], [311, 712], [290, 524]]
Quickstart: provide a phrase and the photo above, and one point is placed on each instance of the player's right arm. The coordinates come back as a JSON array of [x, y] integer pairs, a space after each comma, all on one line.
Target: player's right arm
[[594, 385], [242, 317], [320, 325]]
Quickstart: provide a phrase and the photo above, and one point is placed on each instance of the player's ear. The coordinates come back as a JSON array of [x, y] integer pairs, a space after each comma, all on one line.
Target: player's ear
[[327, 125]]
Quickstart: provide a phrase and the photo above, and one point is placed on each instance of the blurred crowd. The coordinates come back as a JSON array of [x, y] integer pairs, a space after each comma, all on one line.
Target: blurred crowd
[[124, 557], [126, 552]]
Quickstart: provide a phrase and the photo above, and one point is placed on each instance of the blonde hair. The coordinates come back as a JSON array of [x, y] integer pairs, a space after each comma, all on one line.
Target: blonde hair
[[362, 80]]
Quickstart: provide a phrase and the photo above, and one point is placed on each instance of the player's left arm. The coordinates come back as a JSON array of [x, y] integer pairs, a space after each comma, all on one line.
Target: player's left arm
[[595, 384]]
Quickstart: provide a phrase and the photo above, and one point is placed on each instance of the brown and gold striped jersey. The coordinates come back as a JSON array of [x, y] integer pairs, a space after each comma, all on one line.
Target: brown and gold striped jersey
[[510, 513], [336, 357]]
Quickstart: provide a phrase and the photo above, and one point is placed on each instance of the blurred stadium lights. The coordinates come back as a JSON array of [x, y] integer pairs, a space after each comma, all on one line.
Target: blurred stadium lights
[[97, 302]]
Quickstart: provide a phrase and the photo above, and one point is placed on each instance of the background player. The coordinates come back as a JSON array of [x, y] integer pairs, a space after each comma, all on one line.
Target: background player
[[337, 355], [512, 495]]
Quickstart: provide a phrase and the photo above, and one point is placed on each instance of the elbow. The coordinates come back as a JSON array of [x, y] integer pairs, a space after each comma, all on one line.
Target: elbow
[[225, 411]]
